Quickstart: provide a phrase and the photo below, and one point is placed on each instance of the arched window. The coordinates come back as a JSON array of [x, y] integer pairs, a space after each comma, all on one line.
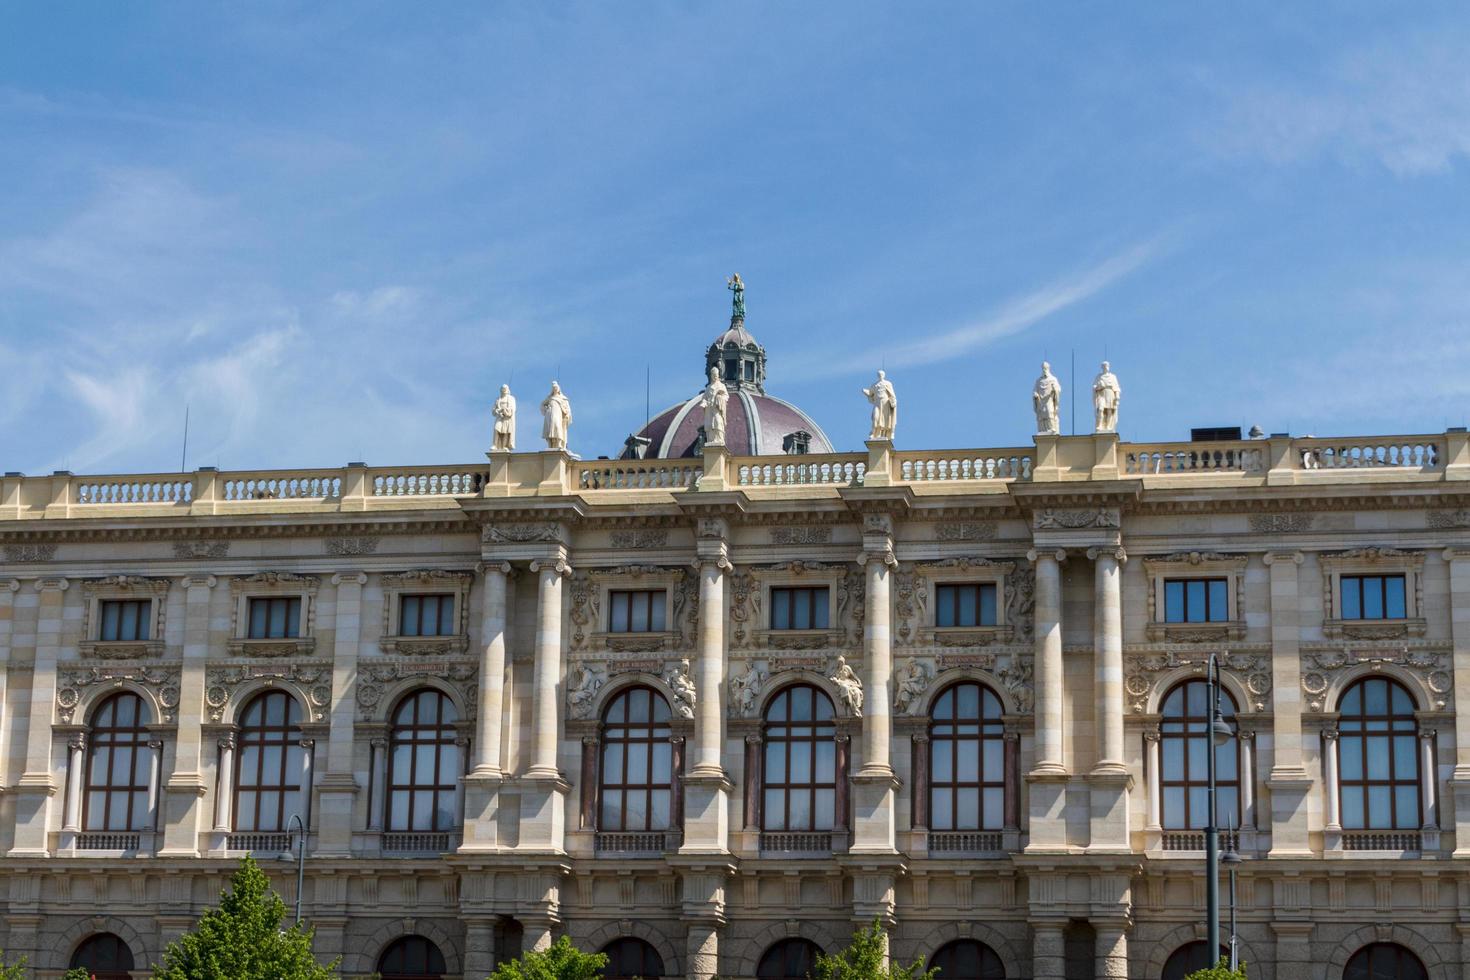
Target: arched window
[[1189, 958], [1184, 737], [424, 765], [1384, 961], [105, 956], [637, 772], [270, 764], [412, 958], [1377, 757], [119, 766], [967, 778], [790, 959], [629, 958], [800, 774], [966, 959]]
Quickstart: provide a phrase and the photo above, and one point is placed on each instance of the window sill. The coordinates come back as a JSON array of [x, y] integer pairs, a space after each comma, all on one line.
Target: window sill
[[425, 646], [300, 646], [966, 636], [646, 642], [1373, 629], [799, 639], [121, 649], [1233, 629]]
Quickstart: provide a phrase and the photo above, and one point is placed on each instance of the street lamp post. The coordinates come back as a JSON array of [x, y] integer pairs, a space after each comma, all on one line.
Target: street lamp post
[[300, 862], [1219, 734], [1232, 859]]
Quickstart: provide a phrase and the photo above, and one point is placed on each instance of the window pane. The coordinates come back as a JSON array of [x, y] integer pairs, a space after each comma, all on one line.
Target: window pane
[[1352, 808], [775, 813], [1406, 801], [1380, 807], [969, 612], [620, 603], [658, 817], [775, 762], [657, 620], [801, 810], [1199, 806], [1395, 607], [994, 759], [638, 613], [780, 609], [637, 806], [1351, 607], [1350, 758], [110, 617], [1173, 602], [1225, 761], [967, 760], [1174, 807], [258, 613], [825, 813], [410, 615], [1375, 697], [943, 765], [293, 617], [944, 608], [987, 605], [941, 808], [826, 762], [994, 809], [967, 807], [801, 764], [277, 623], [1194, 604], [245, 810], [1173, 758], [819, 614], [1219, 604], [801, 609], [1373, 597]]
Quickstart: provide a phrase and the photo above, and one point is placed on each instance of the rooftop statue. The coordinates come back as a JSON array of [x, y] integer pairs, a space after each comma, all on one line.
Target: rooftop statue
[[737, 302], [1106, 394], [885, 408], [714, 400], [504, 411], [1046, 400], [556, 413]]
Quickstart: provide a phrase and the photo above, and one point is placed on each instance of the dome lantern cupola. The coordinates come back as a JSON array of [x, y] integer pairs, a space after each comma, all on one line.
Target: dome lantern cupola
[[740, 358]]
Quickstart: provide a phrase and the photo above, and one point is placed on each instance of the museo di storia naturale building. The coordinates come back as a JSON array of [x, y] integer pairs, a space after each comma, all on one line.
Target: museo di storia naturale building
[[711, 704]]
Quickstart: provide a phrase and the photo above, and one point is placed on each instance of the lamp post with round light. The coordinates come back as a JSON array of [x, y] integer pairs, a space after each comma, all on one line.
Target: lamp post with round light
[[1219, 734]]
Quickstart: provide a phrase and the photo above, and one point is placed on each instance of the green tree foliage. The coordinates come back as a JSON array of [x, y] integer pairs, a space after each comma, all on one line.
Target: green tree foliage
[[1220, 971], [243, 939], [863, 960], [77, 973], [12, 971], [562, 961]]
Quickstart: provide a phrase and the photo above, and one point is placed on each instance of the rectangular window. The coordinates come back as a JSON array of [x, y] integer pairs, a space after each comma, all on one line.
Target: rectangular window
[[1196, 600], [275, 618], [799, 609], [637, 612], [124, 620], [1373, 597], [426, 615], [965, 605]]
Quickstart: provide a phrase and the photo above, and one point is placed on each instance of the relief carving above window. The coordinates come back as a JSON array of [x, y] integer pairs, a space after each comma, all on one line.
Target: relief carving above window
[[1172, 583], [634, 608], [1373, 594]]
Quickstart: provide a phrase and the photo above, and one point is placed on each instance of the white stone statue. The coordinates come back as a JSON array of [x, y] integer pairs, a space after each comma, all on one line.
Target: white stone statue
[[682, 688], [583, 682], [885, 408], [745, 689], [1046, 399], [849, 687], [714, 400], [1106, 394], [505, 421], [909, 683], [556, 413]]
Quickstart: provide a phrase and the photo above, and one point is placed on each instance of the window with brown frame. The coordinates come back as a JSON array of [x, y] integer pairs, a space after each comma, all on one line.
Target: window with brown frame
[[426, 615], [967, 959], [630, 958], [967, 777], [636, 778], [641, 611], [1372, 597], [799, 609], [965, 604], [125, 620], [1184, 738], [800, 773], [1378, 757], [424, 764], [275, 618], [1384, 961], [119, 765], [269, 764], [105, 957], [789, 959], [412, 958], [1196, 600]]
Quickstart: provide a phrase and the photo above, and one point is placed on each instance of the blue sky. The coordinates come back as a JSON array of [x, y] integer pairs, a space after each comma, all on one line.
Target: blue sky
[[332, 231]]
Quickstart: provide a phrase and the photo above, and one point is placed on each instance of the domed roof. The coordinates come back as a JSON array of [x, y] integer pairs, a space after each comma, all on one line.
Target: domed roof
[[756, 423]]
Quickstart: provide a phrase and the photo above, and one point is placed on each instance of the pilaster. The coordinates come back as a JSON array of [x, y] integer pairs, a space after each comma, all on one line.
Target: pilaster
[[337, 787], [34, 791], [183, 794], [1289, 780]]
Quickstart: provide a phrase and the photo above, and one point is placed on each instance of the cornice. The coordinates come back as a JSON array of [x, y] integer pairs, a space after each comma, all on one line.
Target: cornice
[[1092, 493], [491, 510], [1300, 499], [216, 528]]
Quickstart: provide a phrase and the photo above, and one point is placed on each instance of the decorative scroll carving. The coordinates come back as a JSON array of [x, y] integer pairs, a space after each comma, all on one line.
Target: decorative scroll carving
[[584, 680], [801, 535], [746, 688], [966, 531], [520, 533], [160, 679], [745, 608], [1021, 601], [849, 687], [642, 538], [364, 545], [1049, 518], [1280, 523], [427, 578], [125, 583], [586, 610], [1253, 669], [201, 549], [1319, 667], [223, 682], [376, 677], [910, 682], [1371, 555], [685, 617], [911, 604], [852, 600], [308, 583], [681, 688], [30, 552]]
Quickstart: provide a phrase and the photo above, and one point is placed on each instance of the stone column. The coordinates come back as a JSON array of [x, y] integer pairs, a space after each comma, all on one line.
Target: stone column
[[1111, 961], [155, 782], [537, 934], [224, 785], [482, 784], [874, 785], [1048, 668], [1289, 782], [706, 786], [919, 804], [1110, 779], [1248, 785], [752, 778], [1458, 560], [377, 799], [37, 785], [543, 789], [184, 816], [1048, 951], [479, 947], [1155, 781], [338, 784], [76, 766], [702, 951], [1428, 778], [308, 768], [587, 784], [1331, 793]]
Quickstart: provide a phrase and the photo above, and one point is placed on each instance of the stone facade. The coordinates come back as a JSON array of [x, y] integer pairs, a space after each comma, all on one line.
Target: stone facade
[[1077, 535]]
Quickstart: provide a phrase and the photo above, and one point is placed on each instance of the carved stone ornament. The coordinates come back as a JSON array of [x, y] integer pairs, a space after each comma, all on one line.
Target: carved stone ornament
[[375, 678], [1320, 667], [745, 608], [681, 689], [711, 528], [849, 687], [801, 535], [911, 599], [910, 682], [746, 688], [1280, 523], [1049, 518], [584, 680], [30, 552], [1447, 519], [125, 584], [1253, 669], [222, 684], [638, 539], [362, 545], [852, 600], [161, 679], [307, 583], [201, 549], [1021, 601], [520, 533], [966, 531]]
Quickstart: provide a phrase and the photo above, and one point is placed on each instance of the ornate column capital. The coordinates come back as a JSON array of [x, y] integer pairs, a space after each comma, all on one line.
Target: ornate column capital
[[720, 561], [559, 564], [379, 743], [1152, 736], [590, 740], [1330, 734], [55, 583], [503, 567], [1059, 555], [199, 581], [885, 556], [350, 578], [1117, 553], [1292, 557], [1428, 734], [754, 738], [77, 742], [227, 741]]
